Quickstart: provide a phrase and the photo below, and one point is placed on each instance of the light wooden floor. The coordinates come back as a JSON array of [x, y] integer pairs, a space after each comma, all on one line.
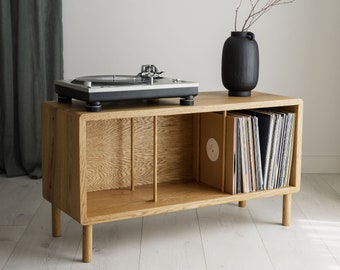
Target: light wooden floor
[[219, 237]]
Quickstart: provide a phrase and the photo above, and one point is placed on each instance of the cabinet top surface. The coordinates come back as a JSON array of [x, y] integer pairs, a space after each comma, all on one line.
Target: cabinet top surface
[[204, 102]]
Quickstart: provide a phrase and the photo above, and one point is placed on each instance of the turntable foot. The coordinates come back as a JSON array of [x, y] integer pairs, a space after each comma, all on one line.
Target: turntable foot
[[63, 99], [95, 106], [188, 101]]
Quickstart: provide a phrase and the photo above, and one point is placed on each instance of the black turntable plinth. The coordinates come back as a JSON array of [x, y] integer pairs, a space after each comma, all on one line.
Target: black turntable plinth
[[148, 84]]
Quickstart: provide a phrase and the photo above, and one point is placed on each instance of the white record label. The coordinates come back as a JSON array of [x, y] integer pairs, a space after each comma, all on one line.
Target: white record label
[[212, 149]]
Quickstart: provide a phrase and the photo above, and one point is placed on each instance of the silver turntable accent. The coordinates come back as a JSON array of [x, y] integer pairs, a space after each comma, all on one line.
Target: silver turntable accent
[[148, 84]]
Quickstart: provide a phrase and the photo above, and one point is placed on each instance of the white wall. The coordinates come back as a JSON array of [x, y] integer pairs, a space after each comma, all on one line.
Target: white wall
[[299, 53]]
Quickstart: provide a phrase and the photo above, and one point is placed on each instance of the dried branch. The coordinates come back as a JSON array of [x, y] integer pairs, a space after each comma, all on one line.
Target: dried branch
[[251, 13], [257, 12], [236, 13]]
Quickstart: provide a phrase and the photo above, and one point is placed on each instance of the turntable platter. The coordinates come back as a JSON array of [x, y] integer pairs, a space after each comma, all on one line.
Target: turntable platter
[[110, 80]]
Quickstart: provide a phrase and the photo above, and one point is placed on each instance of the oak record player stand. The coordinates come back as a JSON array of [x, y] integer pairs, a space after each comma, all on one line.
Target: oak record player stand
[[132, 162]]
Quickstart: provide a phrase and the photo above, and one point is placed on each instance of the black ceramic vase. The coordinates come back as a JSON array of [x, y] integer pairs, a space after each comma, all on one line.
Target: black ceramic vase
[[240, 63]]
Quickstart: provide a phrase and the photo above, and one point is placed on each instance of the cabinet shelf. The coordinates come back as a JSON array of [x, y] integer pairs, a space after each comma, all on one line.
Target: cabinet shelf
[[118, 204], [139, 159]]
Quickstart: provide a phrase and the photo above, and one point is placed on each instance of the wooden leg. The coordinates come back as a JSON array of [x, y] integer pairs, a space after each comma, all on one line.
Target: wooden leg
[[286, 209], [87, 243], [56, 226], [242, 203]]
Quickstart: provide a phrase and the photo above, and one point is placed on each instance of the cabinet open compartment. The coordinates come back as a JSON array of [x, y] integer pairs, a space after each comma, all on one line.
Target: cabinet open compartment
[[138, 163], [217, 149]]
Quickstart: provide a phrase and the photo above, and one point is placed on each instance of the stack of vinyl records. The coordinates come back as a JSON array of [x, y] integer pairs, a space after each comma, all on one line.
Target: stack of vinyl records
[[262, 149]]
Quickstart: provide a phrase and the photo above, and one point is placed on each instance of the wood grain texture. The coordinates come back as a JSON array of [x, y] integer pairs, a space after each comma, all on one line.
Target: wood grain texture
[[108, 151], [132, 154], [175, 148], [61, 153], [108, 154], [88, 157], [120, 204], [143, 151], [204, 102]]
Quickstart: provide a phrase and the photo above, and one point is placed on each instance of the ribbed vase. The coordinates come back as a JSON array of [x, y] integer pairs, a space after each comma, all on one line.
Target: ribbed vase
[[240, 63]]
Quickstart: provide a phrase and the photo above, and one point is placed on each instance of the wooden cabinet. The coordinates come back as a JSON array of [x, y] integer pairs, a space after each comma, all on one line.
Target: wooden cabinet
[[141, 158]]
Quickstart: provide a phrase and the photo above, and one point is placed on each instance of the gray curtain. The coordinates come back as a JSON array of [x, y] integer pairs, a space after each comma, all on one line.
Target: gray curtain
[[30, 61]]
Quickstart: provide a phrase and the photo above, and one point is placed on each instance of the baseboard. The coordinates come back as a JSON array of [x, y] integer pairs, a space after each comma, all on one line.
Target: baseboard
[[320, 164]]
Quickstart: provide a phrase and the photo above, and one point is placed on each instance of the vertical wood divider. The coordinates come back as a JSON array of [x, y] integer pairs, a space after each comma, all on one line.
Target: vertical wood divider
[[197, 145], [155, 158], [224, 132], [132, 155]]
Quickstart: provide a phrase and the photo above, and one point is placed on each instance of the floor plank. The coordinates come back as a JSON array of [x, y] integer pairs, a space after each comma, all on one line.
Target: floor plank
[[116, 245], [230, 239], [289, 247], [37, 249], [333, 180], [9, 237], [319, 199], [20, 198], [172, 241]]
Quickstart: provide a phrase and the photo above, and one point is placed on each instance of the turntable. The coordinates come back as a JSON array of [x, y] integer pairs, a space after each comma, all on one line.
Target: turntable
[[148, 84]]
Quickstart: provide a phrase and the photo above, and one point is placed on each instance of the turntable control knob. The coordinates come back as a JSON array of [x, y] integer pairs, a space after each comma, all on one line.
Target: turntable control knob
[[88, 83]]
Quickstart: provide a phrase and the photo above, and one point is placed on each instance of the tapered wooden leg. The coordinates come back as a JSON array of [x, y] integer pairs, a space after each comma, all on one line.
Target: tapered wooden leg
[[56, 226], [87, 243], [242, 203], [286, 209]]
